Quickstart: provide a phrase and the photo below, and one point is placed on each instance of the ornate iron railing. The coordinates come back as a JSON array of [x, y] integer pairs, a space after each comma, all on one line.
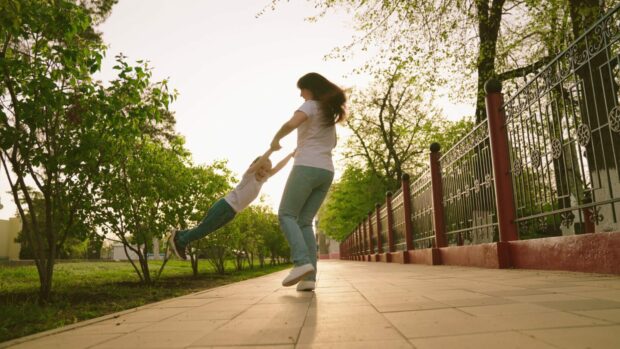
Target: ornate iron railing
[[375, 240], [564, 138], [422, 211], [468, 191], [398, 215], [384, 228], [561, 131]]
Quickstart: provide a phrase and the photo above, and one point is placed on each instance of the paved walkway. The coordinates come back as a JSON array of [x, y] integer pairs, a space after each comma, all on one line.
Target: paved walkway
[[374, 305]]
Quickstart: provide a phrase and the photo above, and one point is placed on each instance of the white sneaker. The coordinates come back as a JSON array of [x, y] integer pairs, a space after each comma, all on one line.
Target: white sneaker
[[297, 274], [178, 251], [304, 285]]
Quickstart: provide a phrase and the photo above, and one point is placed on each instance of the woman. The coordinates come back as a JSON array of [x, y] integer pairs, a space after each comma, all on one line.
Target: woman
[[312, 173]]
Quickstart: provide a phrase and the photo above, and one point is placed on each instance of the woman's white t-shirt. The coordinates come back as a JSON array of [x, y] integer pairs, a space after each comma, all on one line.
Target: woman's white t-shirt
[[244, 193], [315, 140]]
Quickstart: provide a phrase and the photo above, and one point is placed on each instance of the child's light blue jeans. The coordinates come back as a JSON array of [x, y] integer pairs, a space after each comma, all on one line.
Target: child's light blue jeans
[[303, 195], [218, 215]]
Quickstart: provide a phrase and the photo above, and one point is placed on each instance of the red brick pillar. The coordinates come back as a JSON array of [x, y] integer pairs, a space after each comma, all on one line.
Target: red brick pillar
[[405, 186], [390, 221], [378, 222], [588, 216], [500, 156], [358, 245], [369, 222], [437, 188]]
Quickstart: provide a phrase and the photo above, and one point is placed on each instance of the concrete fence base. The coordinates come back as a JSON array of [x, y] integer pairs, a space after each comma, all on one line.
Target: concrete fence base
[[593, 253]]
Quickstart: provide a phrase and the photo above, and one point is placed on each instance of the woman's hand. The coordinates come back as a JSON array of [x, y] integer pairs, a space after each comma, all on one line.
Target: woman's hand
[[298, 118], [275, 145]]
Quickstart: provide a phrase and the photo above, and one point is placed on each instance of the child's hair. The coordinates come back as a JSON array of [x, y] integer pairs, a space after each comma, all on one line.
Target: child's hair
[[258, 158], [330, 96]]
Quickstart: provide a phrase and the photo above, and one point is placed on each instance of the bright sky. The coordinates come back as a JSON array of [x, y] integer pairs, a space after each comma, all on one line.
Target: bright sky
[[235, 73]]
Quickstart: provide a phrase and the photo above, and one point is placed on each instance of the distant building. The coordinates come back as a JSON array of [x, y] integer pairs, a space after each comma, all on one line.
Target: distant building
[[9, 229], [118, 252], [328, 247]]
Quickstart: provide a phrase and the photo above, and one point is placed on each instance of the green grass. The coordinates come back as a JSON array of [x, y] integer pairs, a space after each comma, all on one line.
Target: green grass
[[87, 290]]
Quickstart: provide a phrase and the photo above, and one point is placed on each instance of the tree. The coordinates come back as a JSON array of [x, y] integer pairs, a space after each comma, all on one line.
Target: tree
[[268, 236], [393, 124], [387, 121], [455, 45], [273, 243], [201, 189], [73, 246], [48, 51], [392, 133], [248, 233], [137, 201], [349, 201], [216, 247]]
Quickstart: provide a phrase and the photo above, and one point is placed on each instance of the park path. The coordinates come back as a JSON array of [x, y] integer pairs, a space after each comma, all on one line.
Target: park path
[[372, 305]]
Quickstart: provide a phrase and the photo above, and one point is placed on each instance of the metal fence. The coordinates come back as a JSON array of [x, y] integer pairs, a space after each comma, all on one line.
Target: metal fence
[[422, 212], [384, 228], [468, 191], [398, 227], [564, 137], [560, 138]]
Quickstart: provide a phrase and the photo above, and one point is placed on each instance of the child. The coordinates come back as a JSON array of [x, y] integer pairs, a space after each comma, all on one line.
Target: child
[[225, 209]]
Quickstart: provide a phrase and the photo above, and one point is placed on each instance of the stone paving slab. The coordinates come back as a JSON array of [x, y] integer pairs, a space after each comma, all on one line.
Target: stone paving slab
[[371, 305]]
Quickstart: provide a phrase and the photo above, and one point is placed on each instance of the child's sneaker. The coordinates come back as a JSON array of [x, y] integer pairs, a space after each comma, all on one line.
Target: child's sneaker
[[297, 274], [174, 244], [305, 285]]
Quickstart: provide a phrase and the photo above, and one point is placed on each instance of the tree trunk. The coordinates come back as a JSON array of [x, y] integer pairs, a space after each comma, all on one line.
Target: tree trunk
[[194, 261], [273, 259], [51, 245], [489, 21], [45, 278], [261, 259], [144, 265], [249, 257]]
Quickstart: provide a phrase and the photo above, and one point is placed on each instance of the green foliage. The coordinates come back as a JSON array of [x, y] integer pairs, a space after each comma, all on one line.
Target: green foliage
[[203, 185], [47, 52], [138, 200], [458, 46], [257, 234], [216, 248], [452, 132], [393, 125], [272, 243], [349, 201], [253, 233], [199, 189], [83, 146]]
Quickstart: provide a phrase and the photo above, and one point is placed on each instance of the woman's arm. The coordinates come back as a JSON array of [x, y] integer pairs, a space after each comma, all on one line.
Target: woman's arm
[[281, 164], [298, 118]]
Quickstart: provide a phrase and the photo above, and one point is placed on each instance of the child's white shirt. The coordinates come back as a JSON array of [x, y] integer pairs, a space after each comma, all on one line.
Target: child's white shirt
[[245, 192]]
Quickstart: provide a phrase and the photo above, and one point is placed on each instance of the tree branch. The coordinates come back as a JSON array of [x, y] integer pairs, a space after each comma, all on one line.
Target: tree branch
[[523, 71]]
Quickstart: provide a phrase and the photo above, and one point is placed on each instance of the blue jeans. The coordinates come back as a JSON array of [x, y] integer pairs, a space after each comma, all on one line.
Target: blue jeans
[[303, 195], [218, 215]]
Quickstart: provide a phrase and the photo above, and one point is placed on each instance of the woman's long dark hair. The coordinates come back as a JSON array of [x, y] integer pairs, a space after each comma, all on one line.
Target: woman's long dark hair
[[330, 96]]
